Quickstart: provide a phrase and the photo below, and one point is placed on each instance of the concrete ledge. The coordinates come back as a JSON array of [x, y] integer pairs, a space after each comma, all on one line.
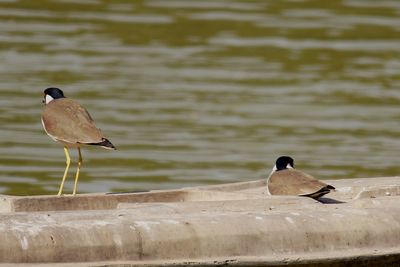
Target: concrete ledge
[[110, 201], [354, 258], [236, 224]]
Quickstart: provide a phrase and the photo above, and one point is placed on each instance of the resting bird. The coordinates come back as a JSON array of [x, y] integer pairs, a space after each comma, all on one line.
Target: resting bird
[[67, 122], [285, 180]]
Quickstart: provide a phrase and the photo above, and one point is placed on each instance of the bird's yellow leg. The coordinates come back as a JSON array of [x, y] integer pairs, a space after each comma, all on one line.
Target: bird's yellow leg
[[66, 170], [77, 171]]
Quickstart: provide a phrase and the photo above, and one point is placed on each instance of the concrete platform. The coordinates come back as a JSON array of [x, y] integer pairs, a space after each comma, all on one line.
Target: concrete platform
[[232, 224]]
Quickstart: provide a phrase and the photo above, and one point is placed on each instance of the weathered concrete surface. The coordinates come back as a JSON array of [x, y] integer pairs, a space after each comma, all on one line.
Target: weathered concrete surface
[[236, 224], [111, 201]]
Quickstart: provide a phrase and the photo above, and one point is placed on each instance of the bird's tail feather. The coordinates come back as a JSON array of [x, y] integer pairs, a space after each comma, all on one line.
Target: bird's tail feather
[[105, 143]]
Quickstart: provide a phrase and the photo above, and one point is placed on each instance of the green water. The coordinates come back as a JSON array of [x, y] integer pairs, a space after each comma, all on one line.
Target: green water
[[201, 92]]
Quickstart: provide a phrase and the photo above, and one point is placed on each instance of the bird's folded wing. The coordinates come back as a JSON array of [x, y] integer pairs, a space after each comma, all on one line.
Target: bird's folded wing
[[67, 121], [293, 182]]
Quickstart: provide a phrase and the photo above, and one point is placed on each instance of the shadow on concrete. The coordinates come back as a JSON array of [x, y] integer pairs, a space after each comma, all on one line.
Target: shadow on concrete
[[327, 200]]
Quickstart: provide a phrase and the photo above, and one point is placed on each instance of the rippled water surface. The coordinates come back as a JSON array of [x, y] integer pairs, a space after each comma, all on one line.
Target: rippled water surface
[[201, 92]]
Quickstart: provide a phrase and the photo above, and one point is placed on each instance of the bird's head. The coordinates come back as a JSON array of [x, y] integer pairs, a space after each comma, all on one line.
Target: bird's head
[[283, 163], [52, 93]]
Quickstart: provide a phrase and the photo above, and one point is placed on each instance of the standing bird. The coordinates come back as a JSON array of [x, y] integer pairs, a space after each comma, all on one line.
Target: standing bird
[[67, 122], [285, 180]]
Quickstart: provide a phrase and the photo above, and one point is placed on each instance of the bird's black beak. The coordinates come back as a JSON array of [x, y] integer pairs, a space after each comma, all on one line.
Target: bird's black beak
[[43, 101]]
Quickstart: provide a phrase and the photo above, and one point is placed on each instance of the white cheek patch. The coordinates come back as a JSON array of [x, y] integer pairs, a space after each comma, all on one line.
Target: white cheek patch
[[49, 99], [288, 166]]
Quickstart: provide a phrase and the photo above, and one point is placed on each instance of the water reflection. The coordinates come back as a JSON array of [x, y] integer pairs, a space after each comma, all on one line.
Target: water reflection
[[201, 92]]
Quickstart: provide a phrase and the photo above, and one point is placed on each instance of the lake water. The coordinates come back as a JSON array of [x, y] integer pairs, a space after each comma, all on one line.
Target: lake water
[[201, 92]]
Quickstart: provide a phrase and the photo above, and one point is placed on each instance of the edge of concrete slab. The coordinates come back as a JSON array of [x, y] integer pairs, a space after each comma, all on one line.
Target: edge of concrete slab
[[349, 259]]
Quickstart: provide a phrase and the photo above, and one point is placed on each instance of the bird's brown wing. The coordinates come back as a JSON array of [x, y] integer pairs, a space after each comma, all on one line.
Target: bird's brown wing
[[293, 182], [66, 120]]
